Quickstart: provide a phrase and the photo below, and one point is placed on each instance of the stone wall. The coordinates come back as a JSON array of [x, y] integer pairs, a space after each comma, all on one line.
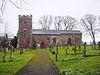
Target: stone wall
[[61, 39]]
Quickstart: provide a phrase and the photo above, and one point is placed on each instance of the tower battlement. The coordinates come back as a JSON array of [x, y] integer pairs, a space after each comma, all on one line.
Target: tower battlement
[[28, 17]]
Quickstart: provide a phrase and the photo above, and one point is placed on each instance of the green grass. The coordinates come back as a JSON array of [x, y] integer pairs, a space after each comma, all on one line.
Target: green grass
[[72, 64], [12, 66]]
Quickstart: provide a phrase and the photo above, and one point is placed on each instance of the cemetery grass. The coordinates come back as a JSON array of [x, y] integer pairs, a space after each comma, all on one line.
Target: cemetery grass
[[12, 66], [71, 64]]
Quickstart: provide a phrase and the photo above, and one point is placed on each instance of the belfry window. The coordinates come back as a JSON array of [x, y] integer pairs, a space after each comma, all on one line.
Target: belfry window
[[25, 22]]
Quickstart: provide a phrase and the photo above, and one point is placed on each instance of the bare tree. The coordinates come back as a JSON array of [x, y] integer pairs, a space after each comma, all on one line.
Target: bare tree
[[57, 22], [69, 22], [46, 22], [17, 3], [90, 26]]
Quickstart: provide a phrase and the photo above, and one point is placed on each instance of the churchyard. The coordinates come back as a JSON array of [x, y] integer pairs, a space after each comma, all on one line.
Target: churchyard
[[68, 60], [73, 62]]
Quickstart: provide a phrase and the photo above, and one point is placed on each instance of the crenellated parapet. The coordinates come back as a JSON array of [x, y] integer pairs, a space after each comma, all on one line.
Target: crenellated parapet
[[27, 17], [25, 21]]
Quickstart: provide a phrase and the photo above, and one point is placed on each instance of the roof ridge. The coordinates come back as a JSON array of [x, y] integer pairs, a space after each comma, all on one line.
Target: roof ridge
[[55, 30], [41, 31]]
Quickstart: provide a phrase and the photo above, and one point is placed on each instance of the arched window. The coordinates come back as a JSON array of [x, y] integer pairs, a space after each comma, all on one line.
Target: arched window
[[69, 41]]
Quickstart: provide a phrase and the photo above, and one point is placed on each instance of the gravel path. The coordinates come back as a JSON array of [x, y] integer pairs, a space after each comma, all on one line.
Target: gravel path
[[40, 64]]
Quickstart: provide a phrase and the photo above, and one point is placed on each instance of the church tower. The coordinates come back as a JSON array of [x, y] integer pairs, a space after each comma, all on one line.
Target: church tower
[[24, 31]]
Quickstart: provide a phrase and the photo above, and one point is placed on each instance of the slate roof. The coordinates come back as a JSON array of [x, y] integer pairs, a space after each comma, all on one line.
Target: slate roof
[[54, 32]]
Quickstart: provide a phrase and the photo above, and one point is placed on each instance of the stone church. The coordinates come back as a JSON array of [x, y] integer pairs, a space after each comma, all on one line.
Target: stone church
[[28, 37]]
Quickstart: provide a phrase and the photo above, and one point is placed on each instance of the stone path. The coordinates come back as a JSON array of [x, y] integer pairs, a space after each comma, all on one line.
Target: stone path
[[40, 64]]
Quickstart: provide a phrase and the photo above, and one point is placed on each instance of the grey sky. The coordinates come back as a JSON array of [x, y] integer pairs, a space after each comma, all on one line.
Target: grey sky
[[74, 8]]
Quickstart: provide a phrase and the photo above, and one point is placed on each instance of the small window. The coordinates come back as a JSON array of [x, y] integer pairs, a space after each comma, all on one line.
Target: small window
[[54, 40]]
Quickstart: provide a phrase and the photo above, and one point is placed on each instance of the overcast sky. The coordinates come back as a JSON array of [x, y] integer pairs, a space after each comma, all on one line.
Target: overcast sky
[[74, 8]]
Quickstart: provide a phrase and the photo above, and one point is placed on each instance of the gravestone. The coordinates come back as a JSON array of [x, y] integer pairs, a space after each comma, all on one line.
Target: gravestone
[[84, 53], [85, 45], [21, 51]]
